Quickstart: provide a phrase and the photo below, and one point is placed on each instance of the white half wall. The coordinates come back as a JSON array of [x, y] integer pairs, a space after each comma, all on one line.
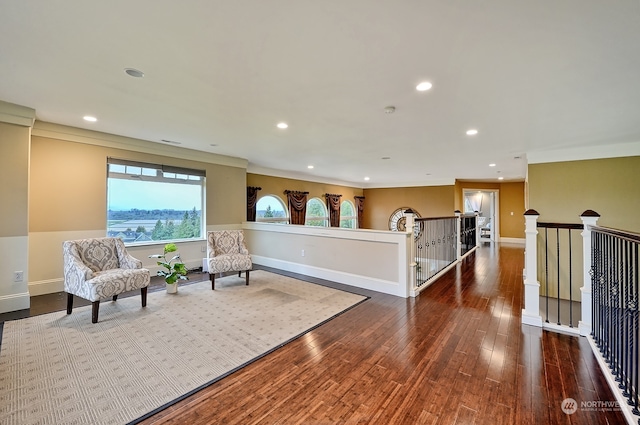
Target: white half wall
[[370, 259]]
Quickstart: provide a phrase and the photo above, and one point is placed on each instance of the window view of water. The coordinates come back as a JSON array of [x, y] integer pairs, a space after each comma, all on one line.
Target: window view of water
[[143, 211]]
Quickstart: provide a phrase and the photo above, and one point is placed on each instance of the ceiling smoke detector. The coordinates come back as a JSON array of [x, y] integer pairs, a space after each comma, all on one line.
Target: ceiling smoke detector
[[389, 109]]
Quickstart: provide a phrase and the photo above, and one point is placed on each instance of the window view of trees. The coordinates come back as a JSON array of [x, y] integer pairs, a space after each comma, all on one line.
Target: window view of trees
[[316, 213], [347, 215], [154, 225], [271, 209]]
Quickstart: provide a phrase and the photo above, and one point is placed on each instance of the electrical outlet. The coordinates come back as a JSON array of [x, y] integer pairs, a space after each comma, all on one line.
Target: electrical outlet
[[18, 276], [203, 249], [302, 253]]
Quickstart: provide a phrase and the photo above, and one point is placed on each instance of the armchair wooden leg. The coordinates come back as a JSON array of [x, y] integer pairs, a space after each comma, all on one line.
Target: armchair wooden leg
[[213, 281], [247, 277], [115, 297], [69, 303], [143, 295], [95, 306]]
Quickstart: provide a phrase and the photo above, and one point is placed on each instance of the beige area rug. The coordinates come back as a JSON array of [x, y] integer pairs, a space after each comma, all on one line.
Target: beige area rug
[[62, 369]]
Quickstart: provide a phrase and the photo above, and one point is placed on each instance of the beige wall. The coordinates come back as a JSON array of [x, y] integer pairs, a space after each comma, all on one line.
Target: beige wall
[[428, 201], [512, 200], [512, 210], [14, 175], [561, 191], [277, 185], [69, 187]]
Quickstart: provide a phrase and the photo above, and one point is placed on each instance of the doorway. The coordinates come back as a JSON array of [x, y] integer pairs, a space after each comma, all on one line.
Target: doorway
[[486, 202]]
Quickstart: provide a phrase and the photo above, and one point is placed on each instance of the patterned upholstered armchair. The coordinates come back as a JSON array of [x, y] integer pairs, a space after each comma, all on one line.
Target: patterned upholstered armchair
[[100, 268], [227, 252]]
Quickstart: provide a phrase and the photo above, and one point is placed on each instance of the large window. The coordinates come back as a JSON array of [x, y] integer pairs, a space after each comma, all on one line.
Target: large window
[[347, 215], [316, 213], [271, 209], [150, 202]]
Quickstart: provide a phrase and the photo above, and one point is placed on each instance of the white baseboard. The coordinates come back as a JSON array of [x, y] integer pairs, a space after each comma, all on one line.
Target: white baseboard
[[561, 329], [14, 302], [48, 286], [611, 380], [528, 319], [519, 241], [359, 281], [433, 279]]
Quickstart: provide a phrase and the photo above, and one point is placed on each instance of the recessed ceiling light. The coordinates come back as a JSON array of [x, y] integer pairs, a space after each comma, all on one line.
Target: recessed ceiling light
[[492, 165], [386, 157], [500, 178], [173, 142], [424, 86], [310, 167], [282, 125], [389, 109], [213, 144], [366, 178], [472, 132], [89, 118], [134, 72]]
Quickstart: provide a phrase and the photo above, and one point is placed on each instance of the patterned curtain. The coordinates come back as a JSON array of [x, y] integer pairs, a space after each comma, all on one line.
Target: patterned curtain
[[252, 200], [333, 205], [359, 208], [297, 206]]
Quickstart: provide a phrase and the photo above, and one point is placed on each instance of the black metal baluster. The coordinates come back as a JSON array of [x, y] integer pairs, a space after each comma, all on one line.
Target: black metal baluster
[[605, 298], [633, 401], [623, 329], [546, 272], [570, 284], [617, 323]]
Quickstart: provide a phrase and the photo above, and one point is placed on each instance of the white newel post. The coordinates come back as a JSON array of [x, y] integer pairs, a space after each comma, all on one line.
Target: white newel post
[[477, 214], [531, 311], [409, 224], [458, 227], [589, 218]]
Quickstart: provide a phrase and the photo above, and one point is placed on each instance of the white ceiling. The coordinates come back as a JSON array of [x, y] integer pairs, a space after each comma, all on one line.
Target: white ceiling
[[530, 75]]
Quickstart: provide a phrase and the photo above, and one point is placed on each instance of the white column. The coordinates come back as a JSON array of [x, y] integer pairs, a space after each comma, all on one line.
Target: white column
[[409, 224], [589, 218], [458, 227], [477, 214], [531, 311]]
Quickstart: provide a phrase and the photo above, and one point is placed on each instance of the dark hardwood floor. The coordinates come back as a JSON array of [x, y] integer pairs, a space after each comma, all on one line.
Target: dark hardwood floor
[[456, 354]]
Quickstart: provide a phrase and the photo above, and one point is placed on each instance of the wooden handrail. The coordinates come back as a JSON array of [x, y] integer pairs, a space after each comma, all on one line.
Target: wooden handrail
[[432, 218], [571, 226], [628, 236]]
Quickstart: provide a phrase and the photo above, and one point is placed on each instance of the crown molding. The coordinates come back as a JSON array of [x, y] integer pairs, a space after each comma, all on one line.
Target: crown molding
[[434, 182], [90, 137], [11, 113], [615, 150], [272, 172]]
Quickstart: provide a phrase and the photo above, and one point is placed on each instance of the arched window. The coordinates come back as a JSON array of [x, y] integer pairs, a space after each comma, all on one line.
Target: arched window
[[316, 213], [271, 209], [347, 215]]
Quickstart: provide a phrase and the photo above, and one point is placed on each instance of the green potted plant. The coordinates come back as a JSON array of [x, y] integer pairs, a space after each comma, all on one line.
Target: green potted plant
[[175, 268]]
